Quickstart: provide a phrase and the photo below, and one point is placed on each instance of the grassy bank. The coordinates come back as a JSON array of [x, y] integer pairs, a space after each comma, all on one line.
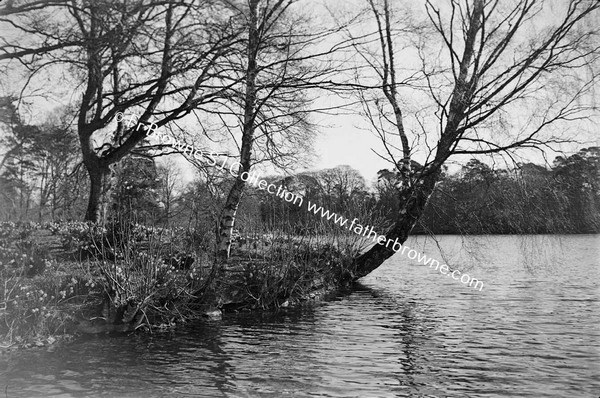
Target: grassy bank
[[61, 280]]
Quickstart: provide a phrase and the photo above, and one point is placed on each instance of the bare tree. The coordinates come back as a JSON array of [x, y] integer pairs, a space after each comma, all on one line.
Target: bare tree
[[503, 76], [341, 185], [282, 59], [169, 186], [155, 59]]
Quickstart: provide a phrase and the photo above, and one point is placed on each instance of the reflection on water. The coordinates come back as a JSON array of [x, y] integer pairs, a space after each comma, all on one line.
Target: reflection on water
[[406, 331]]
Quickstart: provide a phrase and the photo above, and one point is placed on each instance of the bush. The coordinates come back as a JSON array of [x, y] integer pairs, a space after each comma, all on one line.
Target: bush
[[126, 274], [148, 276], [288, 270]]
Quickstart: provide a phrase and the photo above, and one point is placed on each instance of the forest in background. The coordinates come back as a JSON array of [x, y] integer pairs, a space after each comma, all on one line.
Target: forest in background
[[42, 180], [253, 80]]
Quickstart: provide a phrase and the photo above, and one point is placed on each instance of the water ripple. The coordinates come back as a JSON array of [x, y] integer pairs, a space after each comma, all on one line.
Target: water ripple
[[406, 331]]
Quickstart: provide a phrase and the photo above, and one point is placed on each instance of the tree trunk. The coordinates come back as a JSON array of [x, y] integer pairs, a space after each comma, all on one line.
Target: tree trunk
[[99, 187], [415, 200], [227, 219]]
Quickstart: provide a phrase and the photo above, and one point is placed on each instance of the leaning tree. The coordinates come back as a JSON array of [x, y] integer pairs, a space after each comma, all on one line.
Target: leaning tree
[[487, 77]]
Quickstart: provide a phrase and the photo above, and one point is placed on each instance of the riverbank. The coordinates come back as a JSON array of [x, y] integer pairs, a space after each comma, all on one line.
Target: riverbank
[[61, 280], [405, 330]]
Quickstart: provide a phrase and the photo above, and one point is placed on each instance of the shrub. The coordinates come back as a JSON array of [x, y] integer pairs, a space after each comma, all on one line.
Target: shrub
[[149, 278]]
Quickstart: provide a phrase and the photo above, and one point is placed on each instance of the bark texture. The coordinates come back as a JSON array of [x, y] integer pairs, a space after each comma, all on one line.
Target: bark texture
[[99, 192], [227, 218], [415, 200]]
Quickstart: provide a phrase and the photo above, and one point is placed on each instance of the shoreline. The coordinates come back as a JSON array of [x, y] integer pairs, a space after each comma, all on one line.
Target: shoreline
[[64, 279]]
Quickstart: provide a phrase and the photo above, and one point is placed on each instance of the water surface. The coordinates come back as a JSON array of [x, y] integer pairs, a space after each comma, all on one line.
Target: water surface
[[406, 331]]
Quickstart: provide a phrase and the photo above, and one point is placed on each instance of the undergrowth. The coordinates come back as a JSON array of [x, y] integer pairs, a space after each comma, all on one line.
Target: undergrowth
[[63, 278]]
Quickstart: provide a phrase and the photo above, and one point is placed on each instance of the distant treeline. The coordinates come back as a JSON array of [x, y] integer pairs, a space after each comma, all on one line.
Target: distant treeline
[[41, 179], [477, 200], [532, 199]]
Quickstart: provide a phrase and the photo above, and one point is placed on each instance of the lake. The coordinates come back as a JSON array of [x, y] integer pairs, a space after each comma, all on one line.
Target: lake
[[405, 331]]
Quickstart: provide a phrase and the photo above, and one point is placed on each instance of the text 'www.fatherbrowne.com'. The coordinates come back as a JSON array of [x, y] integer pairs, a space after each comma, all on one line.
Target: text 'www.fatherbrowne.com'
[[369, 232], [211, 159]]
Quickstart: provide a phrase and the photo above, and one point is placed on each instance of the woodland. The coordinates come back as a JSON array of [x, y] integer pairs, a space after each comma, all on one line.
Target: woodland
[[104, 230]]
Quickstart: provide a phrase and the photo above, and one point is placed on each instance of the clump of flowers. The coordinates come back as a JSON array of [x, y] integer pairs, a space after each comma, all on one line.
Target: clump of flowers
[[31, 308], [138, 273]]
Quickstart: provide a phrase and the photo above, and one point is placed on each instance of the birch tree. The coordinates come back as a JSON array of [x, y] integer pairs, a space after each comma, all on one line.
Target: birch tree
[[493, 77], [284, 56]]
